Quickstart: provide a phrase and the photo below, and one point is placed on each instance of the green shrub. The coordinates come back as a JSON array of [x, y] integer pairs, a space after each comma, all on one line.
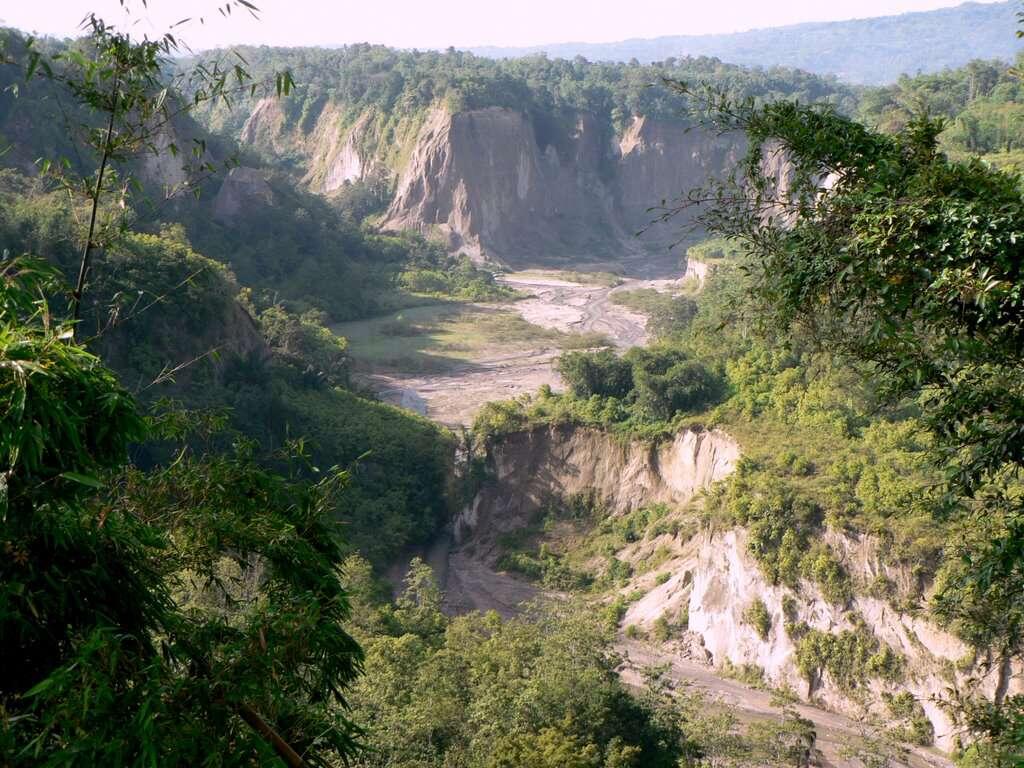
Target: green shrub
[[850, 657], [617, 571], [614, 611], [443, 276], [820, 566], [748, 674], [317, 355], [795, 628], [667, 382], [758, 617], [790, 608], [601, 373], [661, 629], [546, 567], [914, 725]]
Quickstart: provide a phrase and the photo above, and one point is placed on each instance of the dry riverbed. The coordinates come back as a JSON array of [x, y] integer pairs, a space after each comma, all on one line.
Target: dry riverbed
[[446, 360]]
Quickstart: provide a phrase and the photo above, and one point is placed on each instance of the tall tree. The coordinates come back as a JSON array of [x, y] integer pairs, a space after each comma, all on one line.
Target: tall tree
[[191, 614], [882, 250]]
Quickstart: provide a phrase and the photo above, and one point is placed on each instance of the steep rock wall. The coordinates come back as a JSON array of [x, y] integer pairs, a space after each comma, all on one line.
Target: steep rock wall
[[344, 155], [529, 469], [712, 578], [243, 190], [488, 184], [502, 184], [715, 580], [483, 182], [660, 161], [266, 128], [163, 167]]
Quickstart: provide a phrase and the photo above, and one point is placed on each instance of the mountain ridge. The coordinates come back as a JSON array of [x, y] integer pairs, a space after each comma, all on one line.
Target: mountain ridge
[[910, 43]]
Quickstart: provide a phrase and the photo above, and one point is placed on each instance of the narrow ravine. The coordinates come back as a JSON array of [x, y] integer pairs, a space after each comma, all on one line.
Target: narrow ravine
[[468, 576]]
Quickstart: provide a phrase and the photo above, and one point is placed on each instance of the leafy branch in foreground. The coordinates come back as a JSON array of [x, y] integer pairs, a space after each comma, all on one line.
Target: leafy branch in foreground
[[130, 108], [888, 254], [155, 617]]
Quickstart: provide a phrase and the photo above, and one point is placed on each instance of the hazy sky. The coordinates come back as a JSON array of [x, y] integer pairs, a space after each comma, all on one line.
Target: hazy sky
[[440, 23]]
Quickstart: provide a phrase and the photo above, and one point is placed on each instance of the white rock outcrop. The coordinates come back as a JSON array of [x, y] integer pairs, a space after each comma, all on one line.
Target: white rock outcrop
[[715, 579], [712, 578]]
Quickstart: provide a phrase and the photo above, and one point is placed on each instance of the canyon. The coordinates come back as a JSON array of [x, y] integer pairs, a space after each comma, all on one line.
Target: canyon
[[496, 184], [514, 192], [707, 574]]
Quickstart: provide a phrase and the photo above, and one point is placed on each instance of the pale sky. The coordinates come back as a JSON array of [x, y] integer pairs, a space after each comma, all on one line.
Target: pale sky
[[440, 23]]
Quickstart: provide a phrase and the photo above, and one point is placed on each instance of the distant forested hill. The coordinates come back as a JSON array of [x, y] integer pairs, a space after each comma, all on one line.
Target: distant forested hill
[[863, 51], [395, 82], [981, 104]]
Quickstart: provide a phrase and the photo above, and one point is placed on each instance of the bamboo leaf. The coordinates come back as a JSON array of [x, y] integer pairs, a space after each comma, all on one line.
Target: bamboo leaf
[[87, 480]]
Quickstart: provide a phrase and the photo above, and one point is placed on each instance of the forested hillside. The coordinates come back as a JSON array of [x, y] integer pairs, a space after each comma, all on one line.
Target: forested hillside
[[395, 82], [580, 151], [224, 307], [873, 51], [980, 103], [799, 480]]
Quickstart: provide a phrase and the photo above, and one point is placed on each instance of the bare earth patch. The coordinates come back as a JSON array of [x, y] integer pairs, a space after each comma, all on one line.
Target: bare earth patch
[[444, 361]]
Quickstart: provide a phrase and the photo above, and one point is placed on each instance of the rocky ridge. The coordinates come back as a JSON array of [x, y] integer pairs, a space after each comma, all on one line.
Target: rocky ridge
[[497, 185], [711, 579]]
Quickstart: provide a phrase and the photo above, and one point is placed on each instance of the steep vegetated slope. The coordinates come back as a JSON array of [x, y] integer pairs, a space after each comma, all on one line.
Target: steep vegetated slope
[[810, 562], [514, 161], [869, 51], [219, 300]]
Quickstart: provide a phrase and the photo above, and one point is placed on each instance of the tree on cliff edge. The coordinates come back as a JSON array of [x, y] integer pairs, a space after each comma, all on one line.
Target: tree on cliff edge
[[882, 250]]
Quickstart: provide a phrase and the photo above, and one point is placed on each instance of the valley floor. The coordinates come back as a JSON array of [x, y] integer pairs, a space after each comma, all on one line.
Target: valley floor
[[452, 360]]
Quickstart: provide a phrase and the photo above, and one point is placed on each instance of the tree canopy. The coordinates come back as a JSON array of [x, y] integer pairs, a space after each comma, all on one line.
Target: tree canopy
[[884, 251]]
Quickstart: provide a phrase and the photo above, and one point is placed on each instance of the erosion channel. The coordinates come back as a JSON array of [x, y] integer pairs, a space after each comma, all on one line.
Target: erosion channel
[[445, 362]]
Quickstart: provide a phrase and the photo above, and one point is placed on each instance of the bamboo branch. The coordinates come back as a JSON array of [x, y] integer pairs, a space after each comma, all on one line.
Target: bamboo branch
[[258, 724], [83, 267]]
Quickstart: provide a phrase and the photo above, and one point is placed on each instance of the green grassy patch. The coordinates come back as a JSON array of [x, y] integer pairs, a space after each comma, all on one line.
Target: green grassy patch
[[605, 279], [442, 336], [667, 313]]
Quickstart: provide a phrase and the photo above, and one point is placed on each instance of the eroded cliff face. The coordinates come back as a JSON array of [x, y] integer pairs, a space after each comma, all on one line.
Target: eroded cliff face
[[496, 183], [266, 128], [243, 190], [661, 161], [163, 167], [711, 579], [530, 469], [714, 580], [484, 183]]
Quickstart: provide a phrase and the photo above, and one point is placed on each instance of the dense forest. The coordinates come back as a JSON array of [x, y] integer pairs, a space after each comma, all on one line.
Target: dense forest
[[871, 51], [389, 80], [980, 104], [199, 504]]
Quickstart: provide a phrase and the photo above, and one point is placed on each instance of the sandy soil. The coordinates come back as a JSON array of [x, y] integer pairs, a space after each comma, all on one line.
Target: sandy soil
[[748, 704], [453, 397]]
